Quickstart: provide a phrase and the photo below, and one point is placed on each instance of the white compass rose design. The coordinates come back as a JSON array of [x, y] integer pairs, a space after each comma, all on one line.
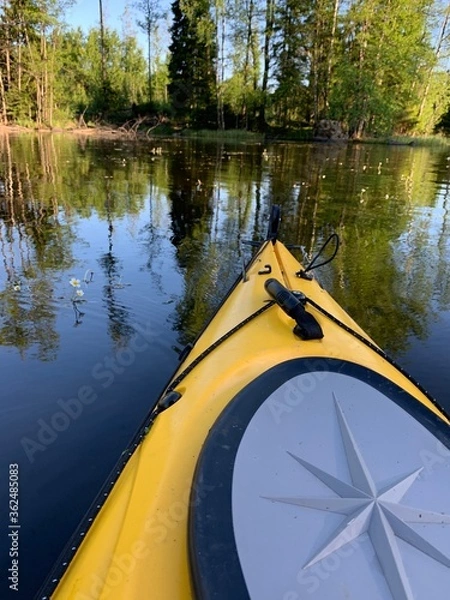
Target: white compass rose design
[[369, 509]]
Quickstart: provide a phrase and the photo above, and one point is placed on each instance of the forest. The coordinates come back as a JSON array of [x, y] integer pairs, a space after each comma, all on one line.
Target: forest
[[377, 67]]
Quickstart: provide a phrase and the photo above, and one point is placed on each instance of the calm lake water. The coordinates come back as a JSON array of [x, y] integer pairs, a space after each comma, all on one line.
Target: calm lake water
[[153, 234]]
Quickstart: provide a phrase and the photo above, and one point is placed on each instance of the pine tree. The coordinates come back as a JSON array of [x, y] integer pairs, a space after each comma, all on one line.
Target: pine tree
[[192, 73], [290, 63]]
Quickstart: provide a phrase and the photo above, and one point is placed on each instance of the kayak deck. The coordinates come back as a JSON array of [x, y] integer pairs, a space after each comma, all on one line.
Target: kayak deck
[[311, 476], [137, 544]]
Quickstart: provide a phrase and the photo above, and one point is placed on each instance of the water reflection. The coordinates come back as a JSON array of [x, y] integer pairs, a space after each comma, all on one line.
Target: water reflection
[[33, 242], [119, 328], [191, 195], [389, 206]]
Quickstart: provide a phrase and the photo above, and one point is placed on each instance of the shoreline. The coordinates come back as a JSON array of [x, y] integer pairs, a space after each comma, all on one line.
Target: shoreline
[[86, 131], [229, 135]]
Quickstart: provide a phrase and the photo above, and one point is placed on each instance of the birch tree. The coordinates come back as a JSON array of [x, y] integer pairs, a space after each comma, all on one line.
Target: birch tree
[[386, 49], [150, 15]]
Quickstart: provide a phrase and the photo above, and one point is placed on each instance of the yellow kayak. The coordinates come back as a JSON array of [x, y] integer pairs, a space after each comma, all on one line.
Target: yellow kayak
[[288, 458]]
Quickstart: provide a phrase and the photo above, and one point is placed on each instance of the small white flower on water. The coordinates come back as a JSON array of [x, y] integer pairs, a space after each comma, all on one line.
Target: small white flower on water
[[80, 293], [16, 287], [75, 282]]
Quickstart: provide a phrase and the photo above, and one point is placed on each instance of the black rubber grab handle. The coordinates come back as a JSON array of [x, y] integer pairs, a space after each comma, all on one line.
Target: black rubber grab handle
[[307, 327], [283, 297]]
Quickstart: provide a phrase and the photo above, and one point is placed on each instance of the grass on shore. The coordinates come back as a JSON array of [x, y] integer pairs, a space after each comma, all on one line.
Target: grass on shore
[[430, 141], [230, 135], [168, 131], [236, 135]]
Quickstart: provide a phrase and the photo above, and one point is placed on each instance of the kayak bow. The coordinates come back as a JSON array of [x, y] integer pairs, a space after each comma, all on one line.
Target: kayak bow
[[288, 458]]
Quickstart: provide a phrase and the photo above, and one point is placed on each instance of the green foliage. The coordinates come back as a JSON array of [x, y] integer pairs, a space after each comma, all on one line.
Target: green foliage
[[52, 76], [160, 81], [71, 91], [132, 68], [242, 101], [436, 105], [384, 60], [125, 73], [242, 93], [375, 66]]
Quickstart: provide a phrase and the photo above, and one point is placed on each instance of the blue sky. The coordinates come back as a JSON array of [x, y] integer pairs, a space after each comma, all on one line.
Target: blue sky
[[85, 14]]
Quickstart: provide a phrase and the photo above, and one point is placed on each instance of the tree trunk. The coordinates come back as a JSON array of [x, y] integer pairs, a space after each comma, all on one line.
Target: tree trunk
[[361, 121], [8, 56], [330, 54], [248, 46], [149, 58], [268, 31], [19, 69], [44, 78], [36, 74], [220, 73], [315, 80], [102, 49], [3, 118], [51, 90], [438, 50]]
